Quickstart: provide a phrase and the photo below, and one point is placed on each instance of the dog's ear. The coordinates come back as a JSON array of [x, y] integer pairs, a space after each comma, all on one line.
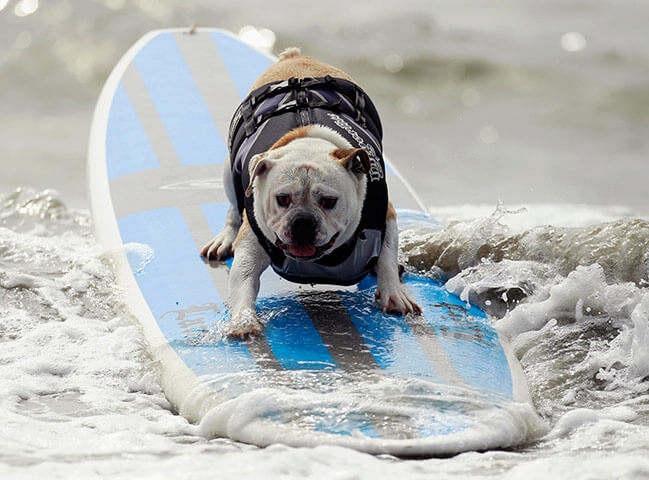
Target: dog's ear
[[259, 166], [356, 160]]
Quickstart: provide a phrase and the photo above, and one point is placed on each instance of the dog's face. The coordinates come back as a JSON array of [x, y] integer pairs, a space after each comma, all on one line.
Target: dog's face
[[308, 195]]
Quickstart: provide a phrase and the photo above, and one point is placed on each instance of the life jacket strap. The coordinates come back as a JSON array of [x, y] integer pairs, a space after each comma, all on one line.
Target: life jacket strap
[[301, 96]]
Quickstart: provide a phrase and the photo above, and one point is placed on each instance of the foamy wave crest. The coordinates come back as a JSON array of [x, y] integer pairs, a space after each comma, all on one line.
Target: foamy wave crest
[[43, 212], [620, 247], [574, 301], [76, 381]]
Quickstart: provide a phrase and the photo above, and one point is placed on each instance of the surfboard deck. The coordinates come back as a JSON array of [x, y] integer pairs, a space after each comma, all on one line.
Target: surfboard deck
[[330, 368]]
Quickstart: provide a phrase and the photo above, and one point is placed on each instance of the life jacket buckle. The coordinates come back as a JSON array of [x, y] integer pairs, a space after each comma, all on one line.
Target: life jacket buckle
[[302, 99]]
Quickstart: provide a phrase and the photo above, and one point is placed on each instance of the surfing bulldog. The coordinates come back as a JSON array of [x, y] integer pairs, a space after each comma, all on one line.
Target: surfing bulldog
[[306, 180]]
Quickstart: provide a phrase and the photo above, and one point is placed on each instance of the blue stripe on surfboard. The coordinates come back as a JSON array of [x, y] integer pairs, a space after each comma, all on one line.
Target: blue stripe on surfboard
[[128, 149], [173, 279], [404, 357], [179, 103], [290, 333], [291, 336], [470, 343], [244, 64]]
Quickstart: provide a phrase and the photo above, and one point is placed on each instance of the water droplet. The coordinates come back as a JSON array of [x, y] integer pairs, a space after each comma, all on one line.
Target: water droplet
[[25, 7], [393, 63], [573, 41], [260, 38]]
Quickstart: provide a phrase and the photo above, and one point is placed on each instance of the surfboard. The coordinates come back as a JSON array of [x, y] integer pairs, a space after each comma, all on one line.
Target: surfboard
[[330, 367]]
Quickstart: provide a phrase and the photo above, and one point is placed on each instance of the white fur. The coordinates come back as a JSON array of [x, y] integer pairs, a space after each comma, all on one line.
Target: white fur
[[289, 53], [328, 134], [393, 295], [285, 174], [250, 262]]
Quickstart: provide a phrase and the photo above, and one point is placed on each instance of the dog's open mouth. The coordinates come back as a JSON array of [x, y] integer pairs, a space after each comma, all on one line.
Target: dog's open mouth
[[305, 252]]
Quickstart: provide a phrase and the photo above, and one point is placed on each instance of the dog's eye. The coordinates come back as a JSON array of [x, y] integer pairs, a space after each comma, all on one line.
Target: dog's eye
[[328, 202], [283, 200]]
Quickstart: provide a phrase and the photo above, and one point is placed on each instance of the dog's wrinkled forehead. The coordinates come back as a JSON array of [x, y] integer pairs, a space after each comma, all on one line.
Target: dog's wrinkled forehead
[[308, 158], [311, 175], [305, 163], [301, 172]]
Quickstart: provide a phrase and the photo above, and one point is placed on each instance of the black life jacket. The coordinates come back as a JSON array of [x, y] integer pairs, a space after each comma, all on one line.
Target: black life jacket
[[271, 111]]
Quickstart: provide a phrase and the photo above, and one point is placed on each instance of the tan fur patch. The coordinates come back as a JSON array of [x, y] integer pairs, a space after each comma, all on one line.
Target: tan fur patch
[[342, 155], [243, 231], [298, 66], [299, 132], [392, 213]]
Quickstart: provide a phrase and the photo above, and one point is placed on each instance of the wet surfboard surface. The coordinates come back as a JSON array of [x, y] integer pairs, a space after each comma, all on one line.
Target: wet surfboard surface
[[330, 367]]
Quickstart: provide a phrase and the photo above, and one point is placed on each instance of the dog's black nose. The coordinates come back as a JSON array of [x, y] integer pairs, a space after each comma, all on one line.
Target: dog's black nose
[[303, 230]]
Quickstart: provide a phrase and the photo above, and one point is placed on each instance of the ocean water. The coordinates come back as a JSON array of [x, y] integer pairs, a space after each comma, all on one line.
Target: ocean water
[[523, 125]]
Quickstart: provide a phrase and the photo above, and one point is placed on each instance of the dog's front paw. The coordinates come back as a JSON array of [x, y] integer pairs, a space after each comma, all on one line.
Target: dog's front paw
[[244, 324], [220, 247], [397, 300]]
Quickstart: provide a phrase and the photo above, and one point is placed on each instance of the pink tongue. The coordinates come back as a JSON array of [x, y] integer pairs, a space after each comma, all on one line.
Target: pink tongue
[[302, 250]]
